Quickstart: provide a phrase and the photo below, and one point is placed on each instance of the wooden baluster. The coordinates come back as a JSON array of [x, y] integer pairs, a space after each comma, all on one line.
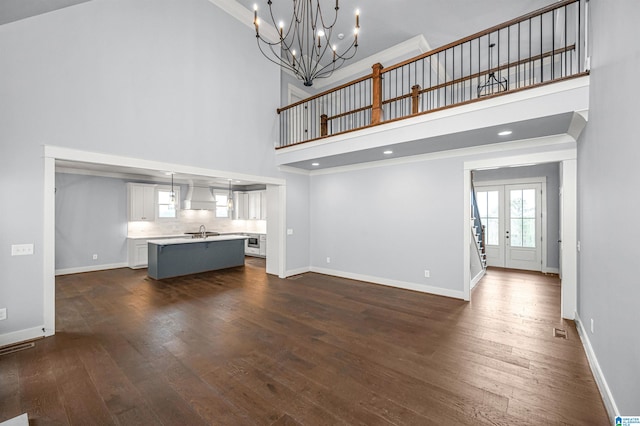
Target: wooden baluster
[[376, 98], [415, 99]]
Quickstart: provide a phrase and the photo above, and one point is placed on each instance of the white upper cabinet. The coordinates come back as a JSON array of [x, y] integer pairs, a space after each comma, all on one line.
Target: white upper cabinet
[[250, 205], [141, 201], [254, 205]]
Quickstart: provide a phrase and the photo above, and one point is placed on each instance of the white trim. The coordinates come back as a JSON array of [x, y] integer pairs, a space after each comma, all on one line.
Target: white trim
[[569, 238], [92, 268], [22, 336], [48, 248], [391, 283], [70, 154], [294, 170], [245, 16], [292, 272], [475, 280], [452, 153], [598, 375], [549, 270], [411, 47]]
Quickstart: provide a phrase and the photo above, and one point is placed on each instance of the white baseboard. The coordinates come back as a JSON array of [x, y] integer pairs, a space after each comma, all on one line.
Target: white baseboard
[[605, 392], [548, 270], [298, 271], [91, 268], [392, 283], [21, 336], [477, 278]]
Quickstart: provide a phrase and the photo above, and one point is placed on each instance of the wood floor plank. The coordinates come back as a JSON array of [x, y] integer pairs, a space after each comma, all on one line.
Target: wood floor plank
[[242, 347]]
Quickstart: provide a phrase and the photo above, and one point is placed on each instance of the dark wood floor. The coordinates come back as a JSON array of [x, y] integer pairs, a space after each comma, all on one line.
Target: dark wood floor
[[240, 347]]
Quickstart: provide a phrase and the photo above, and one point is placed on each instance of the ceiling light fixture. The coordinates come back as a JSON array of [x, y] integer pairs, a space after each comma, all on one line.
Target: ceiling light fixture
[[315, 164], [505, 133], [302, 45], [230, 197], [172, 197], [388, 152]]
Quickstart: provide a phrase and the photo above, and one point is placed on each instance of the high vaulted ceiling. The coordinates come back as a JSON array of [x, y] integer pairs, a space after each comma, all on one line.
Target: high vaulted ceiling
[[384, 23]]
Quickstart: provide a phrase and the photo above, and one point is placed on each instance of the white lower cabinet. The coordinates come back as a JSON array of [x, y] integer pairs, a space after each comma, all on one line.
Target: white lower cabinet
[[138, 254]]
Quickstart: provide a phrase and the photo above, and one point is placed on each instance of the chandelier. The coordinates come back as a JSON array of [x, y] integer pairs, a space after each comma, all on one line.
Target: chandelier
[[304, 45]]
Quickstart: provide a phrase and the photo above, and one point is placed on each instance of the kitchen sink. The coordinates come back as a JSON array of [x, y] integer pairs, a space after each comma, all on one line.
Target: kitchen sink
[[199, 234]]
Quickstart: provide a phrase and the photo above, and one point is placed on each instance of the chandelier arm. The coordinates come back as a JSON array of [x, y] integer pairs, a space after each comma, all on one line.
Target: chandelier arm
[[300, 49]]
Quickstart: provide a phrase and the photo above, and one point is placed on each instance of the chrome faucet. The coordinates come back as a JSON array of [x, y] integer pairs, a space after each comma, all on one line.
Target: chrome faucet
[[203, 231]]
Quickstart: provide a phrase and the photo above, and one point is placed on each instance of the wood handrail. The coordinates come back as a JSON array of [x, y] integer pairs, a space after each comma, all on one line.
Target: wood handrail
[[482, 33]]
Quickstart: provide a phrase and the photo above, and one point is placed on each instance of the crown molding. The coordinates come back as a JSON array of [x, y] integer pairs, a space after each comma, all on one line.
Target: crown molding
[[245, 16]]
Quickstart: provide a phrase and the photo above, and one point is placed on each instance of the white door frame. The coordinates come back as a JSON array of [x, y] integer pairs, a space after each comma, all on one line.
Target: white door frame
[[542, 180], [276, 232], [568, 183]]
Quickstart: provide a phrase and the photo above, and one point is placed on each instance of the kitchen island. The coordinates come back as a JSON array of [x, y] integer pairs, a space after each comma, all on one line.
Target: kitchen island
[[183, 256]]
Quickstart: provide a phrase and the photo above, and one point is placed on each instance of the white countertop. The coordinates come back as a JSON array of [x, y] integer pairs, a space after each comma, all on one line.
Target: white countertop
[[162, 237], [172, 241]]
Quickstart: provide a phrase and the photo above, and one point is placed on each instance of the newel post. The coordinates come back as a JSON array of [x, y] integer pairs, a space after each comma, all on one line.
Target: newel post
[[376, 98], [323, 124], [415, 98]]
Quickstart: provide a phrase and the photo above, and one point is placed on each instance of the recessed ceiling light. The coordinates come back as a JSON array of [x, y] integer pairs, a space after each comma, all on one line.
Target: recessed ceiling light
[[315, 164], [387, 152], [505, 133], [169, 173]]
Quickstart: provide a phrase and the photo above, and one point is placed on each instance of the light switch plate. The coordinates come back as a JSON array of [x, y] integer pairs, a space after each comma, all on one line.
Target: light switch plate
[[3, 314], [21, 249]]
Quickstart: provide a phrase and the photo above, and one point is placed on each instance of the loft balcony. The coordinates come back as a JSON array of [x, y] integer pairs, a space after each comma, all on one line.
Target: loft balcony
[[528, 75]]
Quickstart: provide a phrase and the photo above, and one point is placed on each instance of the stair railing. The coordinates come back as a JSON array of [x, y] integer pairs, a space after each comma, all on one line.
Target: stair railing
[[544, 46]]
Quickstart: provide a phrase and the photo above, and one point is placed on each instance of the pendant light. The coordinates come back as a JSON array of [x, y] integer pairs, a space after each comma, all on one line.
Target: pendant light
[[230, 197], [172, 199]]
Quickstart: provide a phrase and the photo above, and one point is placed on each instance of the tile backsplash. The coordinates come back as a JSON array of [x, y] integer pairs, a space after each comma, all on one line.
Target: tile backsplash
[[190, 221]]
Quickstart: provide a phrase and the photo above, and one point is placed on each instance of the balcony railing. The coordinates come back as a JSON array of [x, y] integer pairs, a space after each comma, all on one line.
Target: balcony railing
[[544, 46]]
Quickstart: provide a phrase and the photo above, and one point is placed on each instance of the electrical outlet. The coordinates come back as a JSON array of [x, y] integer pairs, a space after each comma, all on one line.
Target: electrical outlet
[[3, 314], [591, 325], [578, 246], [427, 273], [328, 260], [95, 257], [21, 249], [290, 231]]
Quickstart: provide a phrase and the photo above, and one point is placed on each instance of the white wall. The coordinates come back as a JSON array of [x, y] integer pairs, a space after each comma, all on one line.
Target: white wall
[[389, 223], [298, 221], [91, 218], [153, 79], [608, 202]]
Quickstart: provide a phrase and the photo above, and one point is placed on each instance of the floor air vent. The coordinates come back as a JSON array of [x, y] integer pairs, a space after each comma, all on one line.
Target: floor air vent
[[558, 332], [16, 348]]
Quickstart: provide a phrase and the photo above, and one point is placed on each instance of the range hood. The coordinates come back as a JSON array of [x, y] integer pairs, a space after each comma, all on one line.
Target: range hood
[[199, 197]]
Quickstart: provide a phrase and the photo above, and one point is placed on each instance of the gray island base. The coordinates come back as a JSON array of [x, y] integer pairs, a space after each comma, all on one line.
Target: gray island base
[[184, 256]]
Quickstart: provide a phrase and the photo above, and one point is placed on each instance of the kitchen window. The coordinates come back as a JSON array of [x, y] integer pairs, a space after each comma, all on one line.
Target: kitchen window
[[222, 200], [165, 208]]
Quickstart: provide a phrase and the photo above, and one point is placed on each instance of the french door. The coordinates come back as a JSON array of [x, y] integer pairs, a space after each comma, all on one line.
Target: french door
[[512, 216]]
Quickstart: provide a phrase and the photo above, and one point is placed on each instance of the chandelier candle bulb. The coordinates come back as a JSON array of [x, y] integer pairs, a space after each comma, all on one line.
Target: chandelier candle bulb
[[304, 48]]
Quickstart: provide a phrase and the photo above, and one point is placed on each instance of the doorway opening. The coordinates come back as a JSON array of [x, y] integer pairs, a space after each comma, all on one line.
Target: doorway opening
[[567, 214], [514, 216]]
